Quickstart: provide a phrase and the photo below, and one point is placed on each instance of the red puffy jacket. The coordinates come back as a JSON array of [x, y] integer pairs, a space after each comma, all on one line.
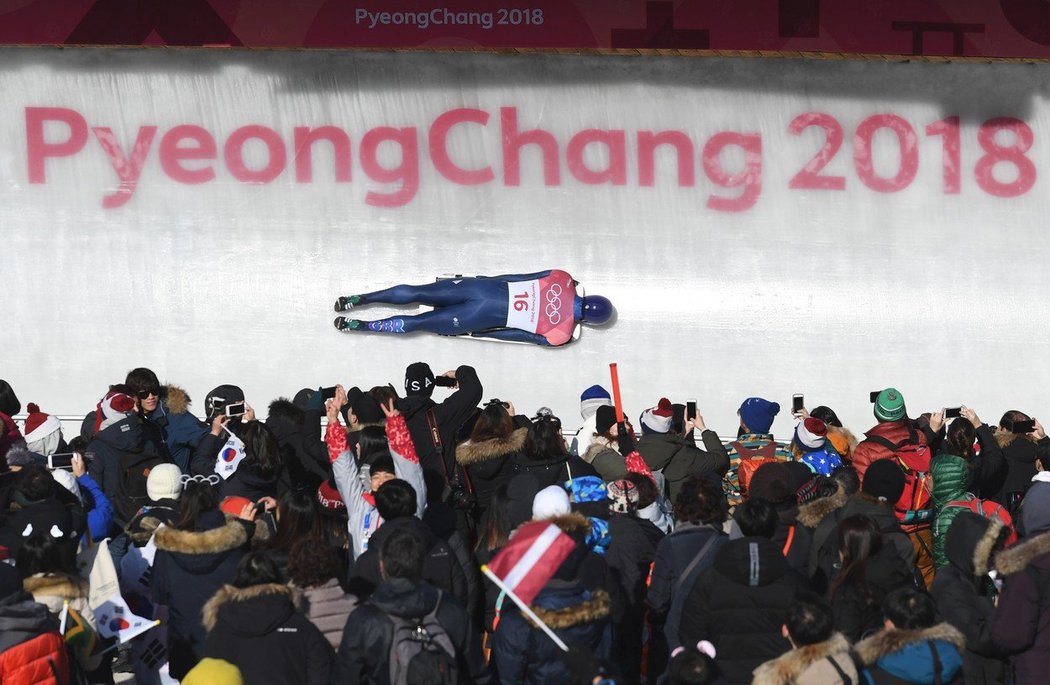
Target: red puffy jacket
[[32, 651]]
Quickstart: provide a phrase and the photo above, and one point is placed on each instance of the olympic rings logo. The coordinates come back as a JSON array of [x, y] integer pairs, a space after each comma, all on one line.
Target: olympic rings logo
[[554, 304]]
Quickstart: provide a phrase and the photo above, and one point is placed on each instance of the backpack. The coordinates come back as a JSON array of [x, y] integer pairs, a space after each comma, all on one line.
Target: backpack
[[913, 455], [421, 651], [750, 460], [135, 467], [988, 509]]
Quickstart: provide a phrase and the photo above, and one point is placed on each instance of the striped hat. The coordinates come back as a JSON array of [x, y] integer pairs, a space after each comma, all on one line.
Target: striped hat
[[811, 433]]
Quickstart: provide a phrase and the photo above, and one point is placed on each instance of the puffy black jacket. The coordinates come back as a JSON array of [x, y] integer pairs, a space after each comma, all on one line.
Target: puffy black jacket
[[964, 595], [450, 415], [364, 652], [856, 617], [189, 568], [259, 630], [554, 471], [679, 458], [248, 482], [740, 605], [1020, 454], [441, 569], [824, 550], [42, 515], [488, 463], [128, 437], [298, 433], [523, 655], [669, 586]]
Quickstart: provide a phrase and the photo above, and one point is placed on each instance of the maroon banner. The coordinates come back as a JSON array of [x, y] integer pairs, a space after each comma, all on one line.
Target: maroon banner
[[945, 28]]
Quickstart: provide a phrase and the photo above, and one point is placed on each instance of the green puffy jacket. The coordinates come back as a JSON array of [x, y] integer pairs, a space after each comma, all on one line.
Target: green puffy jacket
[[951, 478]]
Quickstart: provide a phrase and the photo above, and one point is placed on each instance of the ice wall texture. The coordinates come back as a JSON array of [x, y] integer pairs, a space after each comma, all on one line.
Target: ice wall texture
[[228, 276]]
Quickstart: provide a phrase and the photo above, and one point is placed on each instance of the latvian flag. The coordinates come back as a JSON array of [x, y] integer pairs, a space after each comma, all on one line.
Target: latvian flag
[[531, 558]]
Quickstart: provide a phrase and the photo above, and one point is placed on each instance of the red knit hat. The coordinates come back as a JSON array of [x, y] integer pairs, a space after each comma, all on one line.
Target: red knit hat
[[40, 425], [113, 405], [329, 497]]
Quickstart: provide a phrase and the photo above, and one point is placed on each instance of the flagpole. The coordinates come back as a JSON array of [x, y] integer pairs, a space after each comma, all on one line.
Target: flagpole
[[524, 608]]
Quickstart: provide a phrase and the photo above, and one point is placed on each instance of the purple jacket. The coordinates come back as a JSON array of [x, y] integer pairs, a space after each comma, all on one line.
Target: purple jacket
[[1021, 623]]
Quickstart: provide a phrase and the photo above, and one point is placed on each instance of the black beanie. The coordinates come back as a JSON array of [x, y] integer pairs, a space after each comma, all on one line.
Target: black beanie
[[367, 410], [604, 419], [884, 479], [419, 380]]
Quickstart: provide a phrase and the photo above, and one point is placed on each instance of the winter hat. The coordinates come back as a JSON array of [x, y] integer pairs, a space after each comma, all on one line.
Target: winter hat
[[309, 400], [419, 380], [9, 403], [604, 418], [330, 498], [592, 398], [521, 491], [884, 479], [67, 480], [164, 482], [772, 482], [1035, 510], [802, 480], [889, 405], [21, 457], [549, 502], [111, 409], [623, 496], [367, 410], [657, 419], [209, 671], [40, 425], [758, 414], [811, 433], [218, 398]]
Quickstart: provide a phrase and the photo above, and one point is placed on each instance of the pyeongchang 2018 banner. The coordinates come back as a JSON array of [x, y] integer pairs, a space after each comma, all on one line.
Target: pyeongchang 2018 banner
[[762, 227]]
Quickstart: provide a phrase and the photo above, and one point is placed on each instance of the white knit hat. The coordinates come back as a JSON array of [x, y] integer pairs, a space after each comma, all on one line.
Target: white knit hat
[[164, 482], [40, 425], [812, 433], [549, 502]]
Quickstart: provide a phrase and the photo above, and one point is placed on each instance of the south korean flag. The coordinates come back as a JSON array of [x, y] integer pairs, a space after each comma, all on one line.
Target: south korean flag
[[230, 456]]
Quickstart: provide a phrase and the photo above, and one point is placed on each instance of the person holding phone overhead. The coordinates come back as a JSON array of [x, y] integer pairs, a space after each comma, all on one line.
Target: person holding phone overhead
[[1022, 440]]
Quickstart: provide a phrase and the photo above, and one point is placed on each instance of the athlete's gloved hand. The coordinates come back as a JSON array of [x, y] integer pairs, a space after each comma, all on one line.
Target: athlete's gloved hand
[[624, 441]]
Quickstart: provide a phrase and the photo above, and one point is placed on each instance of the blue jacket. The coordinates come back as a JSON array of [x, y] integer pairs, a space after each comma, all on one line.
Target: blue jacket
[[99, 517], [182, 430], [897, 657], [522, 654]]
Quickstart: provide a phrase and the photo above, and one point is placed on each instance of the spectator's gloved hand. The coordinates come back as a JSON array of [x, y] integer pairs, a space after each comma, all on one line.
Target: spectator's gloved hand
[[624, 441]]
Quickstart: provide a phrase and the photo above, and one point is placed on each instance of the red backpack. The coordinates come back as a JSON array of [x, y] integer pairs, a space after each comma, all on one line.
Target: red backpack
[[988, 509], [913, 455], [750, 460]]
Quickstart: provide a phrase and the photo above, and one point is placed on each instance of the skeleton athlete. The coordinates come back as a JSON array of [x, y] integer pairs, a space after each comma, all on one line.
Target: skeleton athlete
[[541, 308]]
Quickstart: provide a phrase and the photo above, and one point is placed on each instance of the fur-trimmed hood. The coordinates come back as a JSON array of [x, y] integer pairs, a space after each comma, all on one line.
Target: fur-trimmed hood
[[887, 642], [1016, 558], [812, 513], [177, 400], [231, 535], [468, 453], [594, 609], [572, 522], [599, 445], [229, 594], [786, 669], [57, 585]]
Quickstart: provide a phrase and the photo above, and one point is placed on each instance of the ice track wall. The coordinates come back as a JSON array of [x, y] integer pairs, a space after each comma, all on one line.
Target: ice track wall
[[763, 226]]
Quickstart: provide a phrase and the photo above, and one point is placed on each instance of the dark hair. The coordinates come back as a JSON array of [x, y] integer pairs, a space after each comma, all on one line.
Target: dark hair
[[809, 620], [647, 492], [256, 568], [1011, 417], [39, 553], [311, 563], [383, 394], [384, 463], [961, 435], [909, 609], [373, 443], [494, 422], [142, 379], [261, 451], [848, 478], [79, 444], [544, 440], [198, 496], [9, 403], [36, 483], [827, 415], [859, 539], [396, 499], [701, 500], [403, 554], [298, 518], [690, 667], [496, 523], [756, 517]]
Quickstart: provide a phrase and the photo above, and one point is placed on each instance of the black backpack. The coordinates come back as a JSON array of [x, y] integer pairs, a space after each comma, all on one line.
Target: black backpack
[[421, 652], [131, 488]]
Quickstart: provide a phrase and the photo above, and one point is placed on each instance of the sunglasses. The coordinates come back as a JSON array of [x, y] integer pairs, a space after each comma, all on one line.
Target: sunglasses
[[148, 392]]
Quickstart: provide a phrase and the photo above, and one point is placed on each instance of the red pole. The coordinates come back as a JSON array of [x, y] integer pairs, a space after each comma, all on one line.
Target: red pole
[[616, 392]]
